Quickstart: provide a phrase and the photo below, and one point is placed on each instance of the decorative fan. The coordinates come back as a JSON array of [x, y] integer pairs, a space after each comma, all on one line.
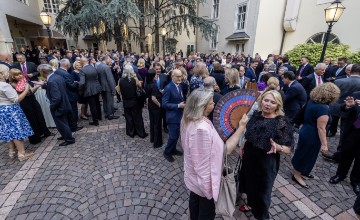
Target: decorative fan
[[230, 109]]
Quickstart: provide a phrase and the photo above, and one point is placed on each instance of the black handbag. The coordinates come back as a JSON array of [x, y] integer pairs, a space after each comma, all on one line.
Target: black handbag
[[140, 93]]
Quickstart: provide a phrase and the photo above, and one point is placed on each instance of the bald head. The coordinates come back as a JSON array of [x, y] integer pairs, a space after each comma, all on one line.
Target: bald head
[[209, 82], [176, 76], [83, 61], [5, 57]]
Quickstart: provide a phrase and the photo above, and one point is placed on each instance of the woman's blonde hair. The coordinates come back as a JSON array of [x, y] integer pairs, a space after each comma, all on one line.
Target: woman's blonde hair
[[200, 69], [141, 63], [196, 104], [272, 83], [279, 108], [76, 62], [233, 77], [4, 72], [325, 93], [54, 63], [14, 72]]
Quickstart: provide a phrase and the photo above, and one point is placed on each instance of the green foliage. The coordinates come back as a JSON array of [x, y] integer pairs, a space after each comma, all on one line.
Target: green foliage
[[313, 52], [355, 57]]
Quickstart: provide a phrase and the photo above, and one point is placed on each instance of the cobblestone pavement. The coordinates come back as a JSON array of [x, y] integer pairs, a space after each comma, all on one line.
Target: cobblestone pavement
[[107, 175]]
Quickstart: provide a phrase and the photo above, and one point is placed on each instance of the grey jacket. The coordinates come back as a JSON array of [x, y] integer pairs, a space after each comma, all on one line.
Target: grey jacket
[[347, 87], [89, 81], [107, 81]]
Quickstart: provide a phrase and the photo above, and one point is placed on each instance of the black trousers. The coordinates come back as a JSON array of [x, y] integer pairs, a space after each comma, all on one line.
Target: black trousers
[[337, 154], [163, 116], [350, 152], [95, 107], [63, 127], [201, 208], [73, 116], [155, 127], [134, 121]]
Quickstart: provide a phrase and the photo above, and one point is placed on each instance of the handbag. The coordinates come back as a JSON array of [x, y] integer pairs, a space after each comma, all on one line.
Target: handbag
[[140, 93], [225, 204]]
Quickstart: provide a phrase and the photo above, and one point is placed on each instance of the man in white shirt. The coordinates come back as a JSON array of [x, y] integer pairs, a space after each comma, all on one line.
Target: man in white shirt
[[315, 79]]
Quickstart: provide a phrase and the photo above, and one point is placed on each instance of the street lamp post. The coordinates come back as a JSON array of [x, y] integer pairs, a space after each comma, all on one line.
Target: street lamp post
[[163, 34], [332, 15], [46, 20]]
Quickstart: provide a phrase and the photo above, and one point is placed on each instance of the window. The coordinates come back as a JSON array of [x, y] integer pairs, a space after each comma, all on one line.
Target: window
[[20, 42], [214, 39], [320, 38], [51, 6], [215, 9], [241, 17], [23, 1]]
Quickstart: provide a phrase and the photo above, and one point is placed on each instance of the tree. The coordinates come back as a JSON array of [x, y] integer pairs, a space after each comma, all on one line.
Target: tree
[[107, 16]]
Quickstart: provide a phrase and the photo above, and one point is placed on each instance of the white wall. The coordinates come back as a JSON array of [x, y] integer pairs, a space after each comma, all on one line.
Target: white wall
[[312, 20]]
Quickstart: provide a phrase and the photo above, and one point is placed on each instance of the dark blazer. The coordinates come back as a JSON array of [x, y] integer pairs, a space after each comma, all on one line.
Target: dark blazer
[[328, 73], [290, 68], [56, 93], [295, 98], [89, 81], [170, 100], [219, 78], [107, 81], [6, 64], [342, 73], [347, 87], [128, 92], [244, 85], [71, 85], [227, 89], [348, 123], [309, 83], [250, 73], [164, 80], [306, 71], [31, 69]]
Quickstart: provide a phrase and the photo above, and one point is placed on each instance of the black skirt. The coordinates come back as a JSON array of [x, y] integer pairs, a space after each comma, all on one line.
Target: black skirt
[[257, 176]]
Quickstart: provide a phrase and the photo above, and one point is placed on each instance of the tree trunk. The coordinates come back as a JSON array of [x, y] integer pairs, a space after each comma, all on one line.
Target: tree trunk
[[157, 25], [118, 36], [141, 5]]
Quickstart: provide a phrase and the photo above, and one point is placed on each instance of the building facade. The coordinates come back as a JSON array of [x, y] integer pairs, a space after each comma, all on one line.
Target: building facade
[[264, 27]]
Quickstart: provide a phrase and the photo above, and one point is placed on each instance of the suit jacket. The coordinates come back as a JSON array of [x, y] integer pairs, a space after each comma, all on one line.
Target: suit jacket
[[352, 115], [309, 83], [219, 78], [6, 64], [170, 100], [250, 73], [347, 87], [107, 81], [128, 92], [56, 93], [31, 69], [71, 85], [342, 73], [164, 80], [295, 99], [89, 81], [328, 73], [290, 68], [244, 85], [308, 69]]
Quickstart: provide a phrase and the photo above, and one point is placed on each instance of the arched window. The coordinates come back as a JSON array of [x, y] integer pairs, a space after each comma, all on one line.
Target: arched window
[[320, 38]]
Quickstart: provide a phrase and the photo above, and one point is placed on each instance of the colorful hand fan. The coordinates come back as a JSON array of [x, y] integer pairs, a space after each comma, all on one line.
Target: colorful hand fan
[[230, 109]]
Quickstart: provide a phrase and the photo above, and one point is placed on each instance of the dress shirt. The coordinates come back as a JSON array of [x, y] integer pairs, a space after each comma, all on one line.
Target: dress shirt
[[317, 79]]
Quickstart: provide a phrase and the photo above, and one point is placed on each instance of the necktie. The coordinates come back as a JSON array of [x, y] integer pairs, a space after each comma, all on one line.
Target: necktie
[[338, 71], [25, 71], [178, 89], [357, 122], [302, 69], [158, 82], [241, 82], [319, 80]]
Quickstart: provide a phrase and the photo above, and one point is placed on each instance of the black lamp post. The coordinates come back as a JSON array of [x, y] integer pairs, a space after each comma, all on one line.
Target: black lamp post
[[163, 34], [46, 20], [332, 15]]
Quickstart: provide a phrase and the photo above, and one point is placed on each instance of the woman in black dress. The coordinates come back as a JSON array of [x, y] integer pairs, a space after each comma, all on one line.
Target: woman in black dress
[[268, 133], [132, 108], [154, 107], [32, 109]]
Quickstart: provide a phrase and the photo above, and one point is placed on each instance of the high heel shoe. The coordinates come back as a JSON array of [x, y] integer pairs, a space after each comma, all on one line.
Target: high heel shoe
[[244, 208], [25, 156], [12, 154], [296, 181]]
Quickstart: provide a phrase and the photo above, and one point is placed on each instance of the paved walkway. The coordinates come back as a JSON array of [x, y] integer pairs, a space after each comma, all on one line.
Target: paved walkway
[[107, 175]]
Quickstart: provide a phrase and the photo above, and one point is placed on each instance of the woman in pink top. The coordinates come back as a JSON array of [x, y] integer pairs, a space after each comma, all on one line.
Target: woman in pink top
[[203, 153]]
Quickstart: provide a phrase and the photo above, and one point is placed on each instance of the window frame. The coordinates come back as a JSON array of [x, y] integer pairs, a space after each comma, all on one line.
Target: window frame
[[25, 2], [242, 4], [213, 9], [214, 36], [323, 35], [19, 45], [51, 6]]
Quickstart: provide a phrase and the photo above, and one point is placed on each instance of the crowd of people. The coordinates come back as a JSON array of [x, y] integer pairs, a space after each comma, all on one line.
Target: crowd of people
[[44, 89]]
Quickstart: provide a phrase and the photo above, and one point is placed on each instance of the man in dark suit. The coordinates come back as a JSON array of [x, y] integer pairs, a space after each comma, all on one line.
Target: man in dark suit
[[340, 71], [351, 138], [243, 80], [329, 69], [72, 93], [347, 87], [173, 102], [55, 55], [286, 64], [250, 72], [28, 68], [295, 97], [60, 107], [311, 81], [161, 83], [107, 83], [305, 68], [91, 88]]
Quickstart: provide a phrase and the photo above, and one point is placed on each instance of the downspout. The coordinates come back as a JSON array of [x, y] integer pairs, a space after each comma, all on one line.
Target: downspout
[[291, 14], [196, 29], [283, 34]]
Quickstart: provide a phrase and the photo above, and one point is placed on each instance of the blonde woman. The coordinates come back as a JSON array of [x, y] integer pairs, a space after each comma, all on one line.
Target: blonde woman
[[273, 83], [54, 63], [141, 68], [232, 81], [268, 134], [200, 72], [14, 127], [81, 99]]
